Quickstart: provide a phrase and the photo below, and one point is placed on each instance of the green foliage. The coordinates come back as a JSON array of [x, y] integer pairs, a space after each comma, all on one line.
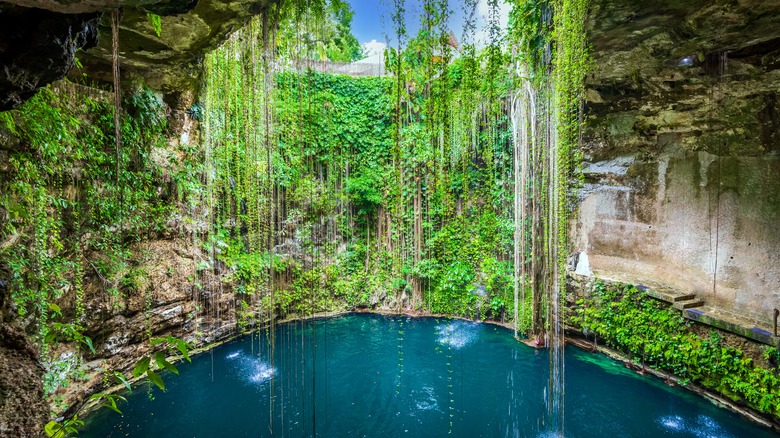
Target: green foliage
[[771, 355], [67, 428], [76, 206], [65, 198], [69, 333], [150, 365], [393, 186], [318, 30], [657, 335], [156, 22]]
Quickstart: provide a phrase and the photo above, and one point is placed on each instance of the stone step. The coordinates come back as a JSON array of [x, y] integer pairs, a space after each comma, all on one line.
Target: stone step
[[684, 297], [688, 304]]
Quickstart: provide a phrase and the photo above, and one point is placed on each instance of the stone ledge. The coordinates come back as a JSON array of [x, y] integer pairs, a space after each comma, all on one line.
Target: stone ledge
[[732, 323]]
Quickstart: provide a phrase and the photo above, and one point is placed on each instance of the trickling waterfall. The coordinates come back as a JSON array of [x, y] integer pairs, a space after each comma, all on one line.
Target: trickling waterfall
[[546, 117], [523, 117]]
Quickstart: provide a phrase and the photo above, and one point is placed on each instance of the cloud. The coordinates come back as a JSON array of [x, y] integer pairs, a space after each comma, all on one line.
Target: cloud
[[374, 48], [483, 20]]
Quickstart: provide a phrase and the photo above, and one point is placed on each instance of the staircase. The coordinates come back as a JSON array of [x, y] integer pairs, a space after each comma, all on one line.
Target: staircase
[[686, 301]]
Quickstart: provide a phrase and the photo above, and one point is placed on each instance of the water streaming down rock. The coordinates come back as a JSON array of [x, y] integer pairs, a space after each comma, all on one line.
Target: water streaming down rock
[[545, 115], [537, 178]]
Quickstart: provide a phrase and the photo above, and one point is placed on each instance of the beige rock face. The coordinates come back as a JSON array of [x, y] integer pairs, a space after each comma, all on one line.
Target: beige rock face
[[691, 220], [683, 149]]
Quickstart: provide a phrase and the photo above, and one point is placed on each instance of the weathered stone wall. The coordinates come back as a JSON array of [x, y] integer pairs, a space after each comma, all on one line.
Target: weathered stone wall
[[682, 179], [197, 307], [23, 410]]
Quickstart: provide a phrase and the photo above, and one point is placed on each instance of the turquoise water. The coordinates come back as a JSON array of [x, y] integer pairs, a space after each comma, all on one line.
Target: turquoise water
[[376, 376]]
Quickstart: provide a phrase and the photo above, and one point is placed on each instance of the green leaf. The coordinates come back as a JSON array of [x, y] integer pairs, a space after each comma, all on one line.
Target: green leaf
[[55, 430], [88, 342], [159, 357], [183, 348], [156, 379], [55, 308], [142, 366], [156, 22], [111, 404], [119, 377]]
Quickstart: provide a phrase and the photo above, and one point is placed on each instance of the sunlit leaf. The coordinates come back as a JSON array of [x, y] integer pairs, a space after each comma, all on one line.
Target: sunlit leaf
[[159, 358], [111, 404], [55, 430], [88, 342], [55, 308], [121, 378]]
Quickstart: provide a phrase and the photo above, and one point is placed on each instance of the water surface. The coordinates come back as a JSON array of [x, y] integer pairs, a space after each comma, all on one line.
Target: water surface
[[376, 376]]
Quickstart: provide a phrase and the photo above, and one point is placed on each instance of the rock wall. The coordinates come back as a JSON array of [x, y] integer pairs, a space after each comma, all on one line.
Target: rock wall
[[165, 301], [23, 409], [39, 40], [682, 145], [38, 47]]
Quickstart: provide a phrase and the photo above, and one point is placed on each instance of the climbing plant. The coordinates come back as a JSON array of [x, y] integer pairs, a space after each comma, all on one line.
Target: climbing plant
[[656, 335]]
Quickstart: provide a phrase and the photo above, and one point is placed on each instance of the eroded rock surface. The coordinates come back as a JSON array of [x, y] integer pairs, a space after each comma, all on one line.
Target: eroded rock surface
[[683, 149], [38, 41], [23, 409]]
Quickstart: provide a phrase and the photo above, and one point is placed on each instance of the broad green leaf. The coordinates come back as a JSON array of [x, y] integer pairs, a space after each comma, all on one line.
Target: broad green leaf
[[182, 347], [55, 308], [170, 367], [159, 357], [55, 430], [111, 404], [119, 377], [141, 366], [156, 379]]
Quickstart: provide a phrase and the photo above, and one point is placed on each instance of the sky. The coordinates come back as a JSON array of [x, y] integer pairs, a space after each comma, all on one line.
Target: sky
[[372, 24]]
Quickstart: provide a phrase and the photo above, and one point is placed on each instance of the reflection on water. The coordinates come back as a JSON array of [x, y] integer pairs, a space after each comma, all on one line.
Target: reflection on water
[[249, 369], [703, 426], [457, 334]]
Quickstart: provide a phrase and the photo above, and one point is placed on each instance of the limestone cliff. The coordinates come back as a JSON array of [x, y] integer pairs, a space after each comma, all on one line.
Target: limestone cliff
[[682, 142]]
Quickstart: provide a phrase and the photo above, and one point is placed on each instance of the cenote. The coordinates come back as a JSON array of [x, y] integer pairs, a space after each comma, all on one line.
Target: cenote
[[175, 174], [367, 375]]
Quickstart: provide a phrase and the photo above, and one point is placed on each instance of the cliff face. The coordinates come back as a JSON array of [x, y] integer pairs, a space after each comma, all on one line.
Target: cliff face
[[682, 179], [23, 409], [39, 41]]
